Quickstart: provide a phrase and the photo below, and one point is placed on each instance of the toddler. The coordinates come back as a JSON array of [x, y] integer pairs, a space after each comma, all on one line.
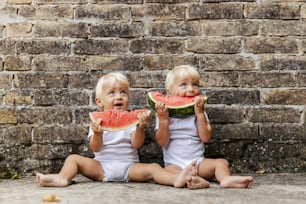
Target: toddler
[[183, 139], [116, 157]]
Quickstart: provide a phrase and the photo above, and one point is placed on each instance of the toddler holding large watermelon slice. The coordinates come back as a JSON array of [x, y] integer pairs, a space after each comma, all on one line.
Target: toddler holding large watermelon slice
[[182, 138], [116, 157]]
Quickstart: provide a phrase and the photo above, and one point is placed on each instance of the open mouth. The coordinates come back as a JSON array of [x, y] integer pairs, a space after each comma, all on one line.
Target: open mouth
[[118, 104]]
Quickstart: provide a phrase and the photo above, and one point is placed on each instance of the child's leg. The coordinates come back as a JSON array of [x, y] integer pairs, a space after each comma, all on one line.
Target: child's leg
[[192, 180], [220, 169], [88, 167], [144, 172], [181, 179], [196, 182], [237, 182]]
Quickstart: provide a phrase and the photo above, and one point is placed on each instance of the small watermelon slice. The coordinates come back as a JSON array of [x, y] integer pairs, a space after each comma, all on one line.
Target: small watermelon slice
[[117, 120], [178, 106]]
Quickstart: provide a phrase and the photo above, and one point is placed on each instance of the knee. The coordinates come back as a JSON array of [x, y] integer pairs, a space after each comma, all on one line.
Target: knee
[[153, 169], [72, 158], [223, 162], [154, 166]]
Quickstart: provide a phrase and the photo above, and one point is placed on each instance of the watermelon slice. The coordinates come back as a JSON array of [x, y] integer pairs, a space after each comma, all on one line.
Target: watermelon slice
[[178, 106], [117, 120]]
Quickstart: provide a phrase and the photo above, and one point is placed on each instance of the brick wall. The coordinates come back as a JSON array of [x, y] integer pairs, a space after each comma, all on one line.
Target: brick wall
[[251, 55]]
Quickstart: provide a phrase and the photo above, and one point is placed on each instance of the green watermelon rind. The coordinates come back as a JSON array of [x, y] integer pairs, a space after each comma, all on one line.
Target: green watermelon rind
[[113, 129], [175, 112]]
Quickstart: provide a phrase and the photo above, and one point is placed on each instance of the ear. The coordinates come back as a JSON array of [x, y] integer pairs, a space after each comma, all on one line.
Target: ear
[[99, 103], [168, 92]]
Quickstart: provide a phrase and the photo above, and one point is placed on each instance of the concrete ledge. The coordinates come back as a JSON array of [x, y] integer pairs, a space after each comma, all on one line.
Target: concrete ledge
[[267, 189]]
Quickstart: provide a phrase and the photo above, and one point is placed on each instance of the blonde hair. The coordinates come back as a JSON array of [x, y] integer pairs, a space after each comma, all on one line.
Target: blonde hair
[[181, 71], [110, 78]]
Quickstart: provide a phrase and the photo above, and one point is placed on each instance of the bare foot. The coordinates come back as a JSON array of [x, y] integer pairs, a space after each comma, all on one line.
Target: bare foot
[[189, 170], [236, 182], [51, 180], [196, 182]]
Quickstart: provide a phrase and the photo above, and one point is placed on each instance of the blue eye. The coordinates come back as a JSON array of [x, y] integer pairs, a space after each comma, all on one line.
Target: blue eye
[[183, 85], [195, 85], [111, 93], [123, 93]]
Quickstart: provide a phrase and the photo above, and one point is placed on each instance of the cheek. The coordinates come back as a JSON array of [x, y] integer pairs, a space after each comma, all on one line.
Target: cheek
[[107, 102], [197, 91], [174, 90]]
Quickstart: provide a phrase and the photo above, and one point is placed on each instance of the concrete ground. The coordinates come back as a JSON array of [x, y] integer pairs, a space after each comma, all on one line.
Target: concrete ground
[[266, 189]]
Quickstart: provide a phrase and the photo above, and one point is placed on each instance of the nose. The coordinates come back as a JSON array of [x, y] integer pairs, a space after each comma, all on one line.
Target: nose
[[118, 96], [190, 88]]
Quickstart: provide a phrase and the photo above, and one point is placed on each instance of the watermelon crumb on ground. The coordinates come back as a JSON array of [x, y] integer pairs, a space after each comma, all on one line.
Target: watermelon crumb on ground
[[117, 120], [178, 106]]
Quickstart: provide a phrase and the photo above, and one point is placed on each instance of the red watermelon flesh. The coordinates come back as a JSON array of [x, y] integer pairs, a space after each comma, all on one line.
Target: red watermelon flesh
[[117, 120], [178, 106], [171, 101]]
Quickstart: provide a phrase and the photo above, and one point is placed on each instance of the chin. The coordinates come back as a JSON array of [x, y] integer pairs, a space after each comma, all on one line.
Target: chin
[[119, 108]]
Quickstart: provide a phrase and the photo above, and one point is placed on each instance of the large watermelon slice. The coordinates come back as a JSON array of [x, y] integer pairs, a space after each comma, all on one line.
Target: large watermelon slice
[[178, 106], [117, 120]]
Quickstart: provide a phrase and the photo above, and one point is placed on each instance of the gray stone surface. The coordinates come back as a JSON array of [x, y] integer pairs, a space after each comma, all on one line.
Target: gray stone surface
[[267, 189]]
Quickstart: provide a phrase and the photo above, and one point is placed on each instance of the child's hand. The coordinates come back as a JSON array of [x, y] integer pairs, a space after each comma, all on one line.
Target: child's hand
[[144, 119], [199, 105], [161, 111], [96, 127]]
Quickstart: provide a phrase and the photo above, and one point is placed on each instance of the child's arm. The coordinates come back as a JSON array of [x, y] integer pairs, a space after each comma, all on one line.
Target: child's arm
[[162, 133], [138, 137], [96, 141], [204, 128]]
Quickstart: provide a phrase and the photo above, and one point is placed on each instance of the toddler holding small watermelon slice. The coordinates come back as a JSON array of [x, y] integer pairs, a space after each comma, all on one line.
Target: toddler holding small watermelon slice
[[116, 157], [183, 138]]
